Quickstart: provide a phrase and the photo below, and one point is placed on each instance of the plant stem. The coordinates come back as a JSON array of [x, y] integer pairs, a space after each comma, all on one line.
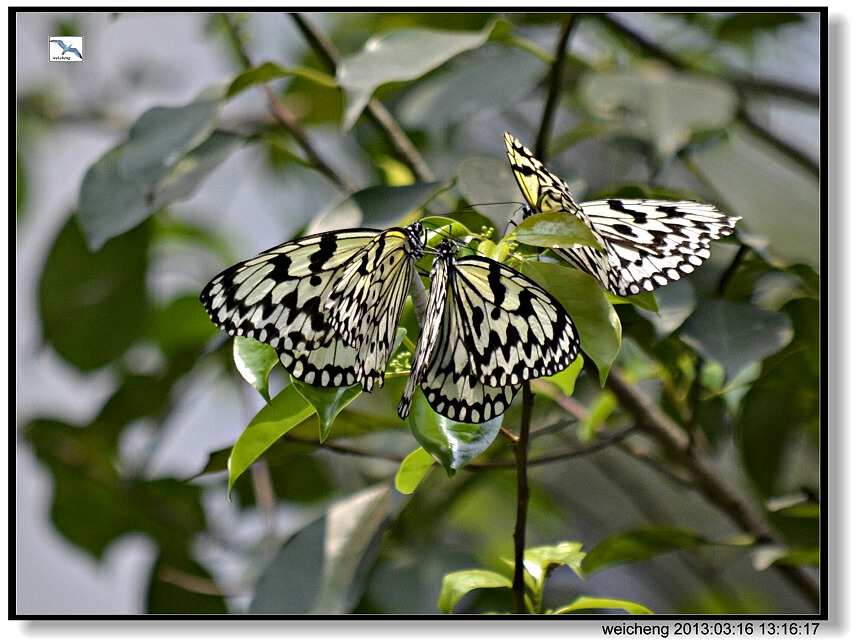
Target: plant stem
[[521, 454], [556, 74]]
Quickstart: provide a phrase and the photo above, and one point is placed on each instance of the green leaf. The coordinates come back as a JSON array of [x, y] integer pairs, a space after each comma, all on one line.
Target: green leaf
[[269, 71], [441, 228], [566, 378], [182, 325], [647, 543], [658, 106], [93, 305], [494, 76], [554, 230], [378, 206], [452, 444], [327, 401], [322, 569], [399, 56], [645, 300], [168, 154], [602, 603], [777, 555], [189, 172], [412, 471], [456, 585], [595, 318], [255, 361], [286, 410], [735, 335], [676, 302]]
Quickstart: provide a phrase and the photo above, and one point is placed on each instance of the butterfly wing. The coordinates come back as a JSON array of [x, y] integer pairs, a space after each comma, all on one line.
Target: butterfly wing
[[277, 297], [515, 330], [647, 243], [365, 304]]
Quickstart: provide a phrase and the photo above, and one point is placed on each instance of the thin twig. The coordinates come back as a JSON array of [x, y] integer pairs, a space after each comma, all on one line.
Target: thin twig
[[286, 118], [556, 76], [711, 482], [744, 85], [375, 110], [521, 453]]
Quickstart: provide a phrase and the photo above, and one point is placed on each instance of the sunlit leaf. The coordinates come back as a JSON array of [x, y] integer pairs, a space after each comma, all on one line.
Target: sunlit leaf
[[412, 471], [255, 361], [456, 585], [269, 71], [286, 410], [603, 603]]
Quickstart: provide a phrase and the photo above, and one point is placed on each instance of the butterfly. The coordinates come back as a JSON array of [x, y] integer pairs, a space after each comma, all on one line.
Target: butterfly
[[647, 243], [487, 329], [299, 296]]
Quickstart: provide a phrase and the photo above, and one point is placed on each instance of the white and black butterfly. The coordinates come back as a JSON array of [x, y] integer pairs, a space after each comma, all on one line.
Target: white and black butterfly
[[300, 296], [647, 243], [487, 329]]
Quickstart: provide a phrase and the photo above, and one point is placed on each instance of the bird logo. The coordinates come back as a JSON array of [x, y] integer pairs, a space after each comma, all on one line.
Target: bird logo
[[67, 49]]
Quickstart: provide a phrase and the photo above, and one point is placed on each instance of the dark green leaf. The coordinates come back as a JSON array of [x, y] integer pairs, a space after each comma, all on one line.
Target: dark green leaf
[[322, 568], [735, 335], [327, 401], [182, 326], [94, 305]]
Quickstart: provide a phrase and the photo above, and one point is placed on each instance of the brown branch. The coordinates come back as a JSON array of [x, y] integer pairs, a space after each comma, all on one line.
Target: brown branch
[[556, 76], [287, 118], [709, 479], [375, 110], [521, 453]]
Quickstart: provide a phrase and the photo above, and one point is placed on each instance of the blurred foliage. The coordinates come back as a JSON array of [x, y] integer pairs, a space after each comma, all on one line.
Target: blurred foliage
[[653, 106]]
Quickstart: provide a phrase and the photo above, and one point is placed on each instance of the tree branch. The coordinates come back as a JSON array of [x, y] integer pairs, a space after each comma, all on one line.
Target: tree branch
[[710, 481], [375, 110], [556, 75], [521, 453], [286, 118]]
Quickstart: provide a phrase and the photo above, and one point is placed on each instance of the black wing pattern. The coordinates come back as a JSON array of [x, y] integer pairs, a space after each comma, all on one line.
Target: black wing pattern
[[279, 297], [365, 304], [483, 319], [647, 243]]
